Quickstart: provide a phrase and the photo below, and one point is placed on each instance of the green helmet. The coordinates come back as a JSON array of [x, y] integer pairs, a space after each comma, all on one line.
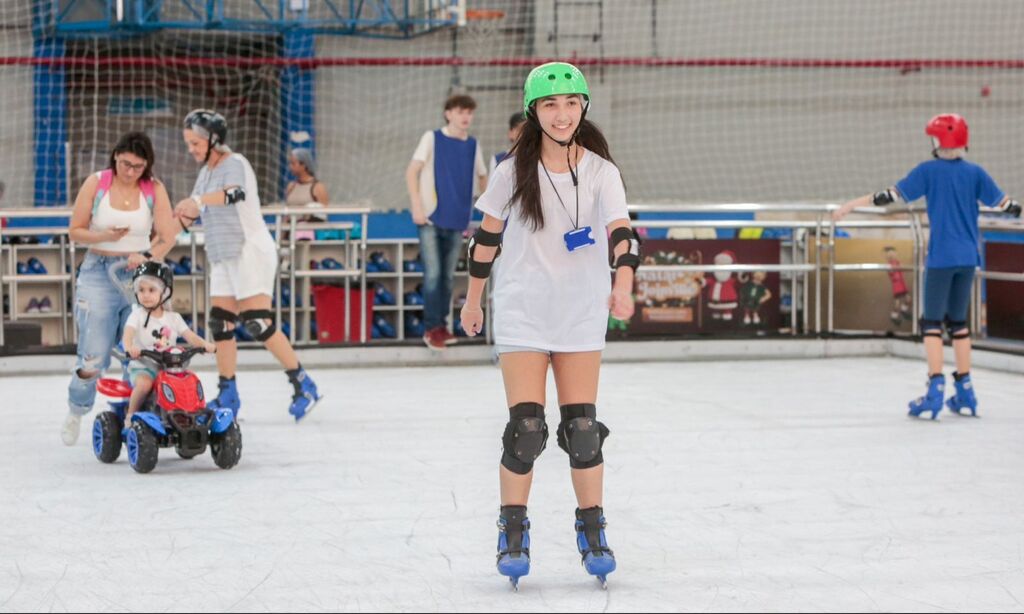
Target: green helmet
[[552, 79]]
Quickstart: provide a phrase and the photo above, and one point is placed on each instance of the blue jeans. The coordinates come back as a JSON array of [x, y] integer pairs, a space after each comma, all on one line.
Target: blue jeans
[[439, 250], [947, 295], [102, 304]]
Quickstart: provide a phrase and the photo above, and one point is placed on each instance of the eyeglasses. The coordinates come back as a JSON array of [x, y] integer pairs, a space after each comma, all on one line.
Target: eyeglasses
[[128, 166]]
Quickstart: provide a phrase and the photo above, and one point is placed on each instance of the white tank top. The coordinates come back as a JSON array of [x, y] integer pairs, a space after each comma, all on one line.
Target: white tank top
[[139, 222]]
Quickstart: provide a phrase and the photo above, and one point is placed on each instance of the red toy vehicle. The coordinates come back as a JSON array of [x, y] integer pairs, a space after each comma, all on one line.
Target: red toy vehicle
[[174, 415]]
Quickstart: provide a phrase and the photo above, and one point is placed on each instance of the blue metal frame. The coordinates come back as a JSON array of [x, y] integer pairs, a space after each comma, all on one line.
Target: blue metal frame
[[49, 103], [298, 106], [371, 18]]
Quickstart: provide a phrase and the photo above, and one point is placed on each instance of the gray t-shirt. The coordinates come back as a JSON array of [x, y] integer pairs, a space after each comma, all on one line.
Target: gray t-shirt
[[223, 226]]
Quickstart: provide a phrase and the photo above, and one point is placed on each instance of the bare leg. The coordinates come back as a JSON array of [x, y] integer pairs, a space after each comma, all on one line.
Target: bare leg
[[576, 377], [933, 349], [525, 375], [140, 390], [962, 350]]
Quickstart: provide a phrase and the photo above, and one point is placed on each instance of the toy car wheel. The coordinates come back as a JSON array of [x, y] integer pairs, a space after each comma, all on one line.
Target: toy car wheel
[[185, 454], [106, 437], [226, 447], [142, 448]]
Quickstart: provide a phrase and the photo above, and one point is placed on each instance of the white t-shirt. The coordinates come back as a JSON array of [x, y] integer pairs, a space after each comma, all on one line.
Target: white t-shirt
[[546, 297], [160, 333], [425, 153]]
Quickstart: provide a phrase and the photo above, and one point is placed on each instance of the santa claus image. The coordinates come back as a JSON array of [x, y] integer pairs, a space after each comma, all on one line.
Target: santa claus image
[[722, 288]]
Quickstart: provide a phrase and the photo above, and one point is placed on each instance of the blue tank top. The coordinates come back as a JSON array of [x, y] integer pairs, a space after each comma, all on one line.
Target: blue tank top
[[454, 162]]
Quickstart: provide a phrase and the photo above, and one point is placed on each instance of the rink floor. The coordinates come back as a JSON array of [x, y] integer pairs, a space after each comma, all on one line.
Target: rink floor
[[783, 485]]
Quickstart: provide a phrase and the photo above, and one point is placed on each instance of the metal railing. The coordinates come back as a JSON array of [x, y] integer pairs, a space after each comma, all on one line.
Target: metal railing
[[812, 251], [353, 252], [820, 235]]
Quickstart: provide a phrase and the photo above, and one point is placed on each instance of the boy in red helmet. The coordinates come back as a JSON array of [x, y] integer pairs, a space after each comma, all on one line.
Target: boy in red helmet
[[952, 188]]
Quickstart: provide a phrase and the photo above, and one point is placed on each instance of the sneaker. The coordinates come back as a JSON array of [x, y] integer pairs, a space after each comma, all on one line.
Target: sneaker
[[33, 305], [444, 336], [434, 339], [45, 306], [22, 268], [69, 432], [35, 267]]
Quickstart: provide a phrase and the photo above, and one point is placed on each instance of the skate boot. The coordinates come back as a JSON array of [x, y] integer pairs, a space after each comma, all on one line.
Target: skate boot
[[932, 400], [306, 395], [964, 397], [227, 396], [598, 559], [513, 543]]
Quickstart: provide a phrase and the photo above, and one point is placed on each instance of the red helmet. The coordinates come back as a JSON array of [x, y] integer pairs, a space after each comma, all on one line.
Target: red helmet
[[949, 130]]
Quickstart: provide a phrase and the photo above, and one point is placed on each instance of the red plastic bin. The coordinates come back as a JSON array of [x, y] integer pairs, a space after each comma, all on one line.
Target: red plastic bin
[[330, 313]]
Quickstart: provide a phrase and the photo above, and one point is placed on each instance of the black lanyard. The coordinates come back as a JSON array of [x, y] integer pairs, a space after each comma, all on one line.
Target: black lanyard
[[575, 187]]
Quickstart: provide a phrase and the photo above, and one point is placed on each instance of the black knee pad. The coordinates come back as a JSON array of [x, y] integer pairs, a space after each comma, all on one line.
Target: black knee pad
[[259, 323], [525, 436], [958, 330], [222, 324], [931, 328], [581, 435]]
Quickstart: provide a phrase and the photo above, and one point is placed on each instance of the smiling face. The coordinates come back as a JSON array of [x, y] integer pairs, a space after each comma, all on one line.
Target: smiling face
[[197, 146], [560, 115]]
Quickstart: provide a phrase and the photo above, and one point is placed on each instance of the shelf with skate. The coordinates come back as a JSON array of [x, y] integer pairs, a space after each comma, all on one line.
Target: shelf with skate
[[36, 281]]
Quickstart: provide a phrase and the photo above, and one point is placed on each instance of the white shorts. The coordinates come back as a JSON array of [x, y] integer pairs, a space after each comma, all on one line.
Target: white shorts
[[250, 274]]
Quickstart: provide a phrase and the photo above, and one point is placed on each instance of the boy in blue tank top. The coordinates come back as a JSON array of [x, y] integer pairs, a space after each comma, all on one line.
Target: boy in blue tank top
[[952, 188], [440, 183]]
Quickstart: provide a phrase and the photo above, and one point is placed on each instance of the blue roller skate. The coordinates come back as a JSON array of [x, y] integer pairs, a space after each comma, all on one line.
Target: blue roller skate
[[227, 396], [598, 558], [306, 395], [932, 400], [513, 543], [964, 397]]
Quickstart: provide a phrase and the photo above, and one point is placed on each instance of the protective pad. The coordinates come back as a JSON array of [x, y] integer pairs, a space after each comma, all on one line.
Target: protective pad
[[525, 437], [482, 270], [958, 330], [581, 435], [259, 323], [220, 318]]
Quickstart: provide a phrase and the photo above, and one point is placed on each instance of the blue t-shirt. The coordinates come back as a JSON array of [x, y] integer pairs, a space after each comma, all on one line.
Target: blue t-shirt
[[952, 189]]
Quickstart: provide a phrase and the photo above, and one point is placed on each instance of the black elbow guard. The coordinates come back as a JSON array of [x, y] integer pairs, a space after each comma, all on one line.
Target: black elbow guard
[[1011, 207], [233, 195], [631, 257], [885, 197], [482, 270]]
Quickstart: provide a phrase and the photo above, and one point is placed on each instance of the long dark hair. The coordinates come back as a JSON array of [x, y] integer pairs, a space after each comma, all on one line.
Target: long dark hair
[[527, 154], [137, 144]]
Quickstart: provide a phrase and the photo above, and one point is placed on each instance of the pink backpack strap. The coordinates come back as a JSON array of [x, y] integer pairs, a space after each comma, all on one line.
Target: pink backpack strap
[[106, 180], [148, 189]]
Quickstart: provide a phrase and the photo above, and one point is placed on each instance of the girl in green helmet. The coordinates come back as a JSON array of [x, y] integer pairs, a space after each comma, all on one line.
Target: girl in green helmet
[[549, 211]]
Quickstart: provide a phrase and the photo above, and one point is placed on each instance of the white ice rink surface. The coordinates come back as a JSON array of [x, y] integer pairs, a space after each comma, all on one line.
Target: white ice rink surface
[[786, 485]]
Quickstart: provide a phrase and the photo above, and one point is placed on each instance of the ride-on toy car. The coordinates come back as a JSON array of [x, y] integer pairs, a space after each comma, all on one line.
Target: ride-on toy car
[[173, 415]]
